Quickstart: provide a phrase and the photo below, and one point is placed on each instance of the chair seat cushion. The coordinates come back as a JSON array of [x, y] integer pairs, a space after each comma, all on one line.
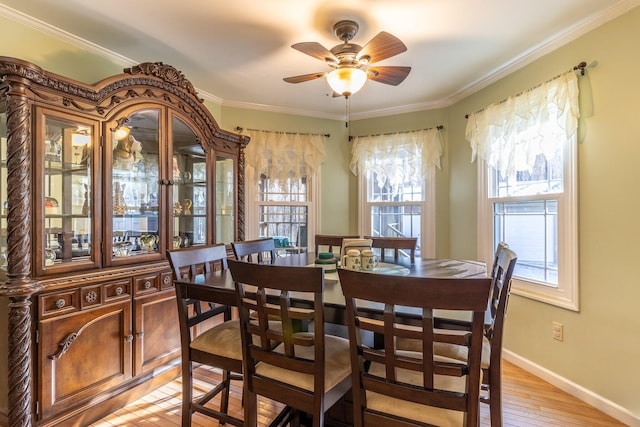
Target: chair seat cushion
[[450, 351], [222, 340], [414, 411], [337, 364]]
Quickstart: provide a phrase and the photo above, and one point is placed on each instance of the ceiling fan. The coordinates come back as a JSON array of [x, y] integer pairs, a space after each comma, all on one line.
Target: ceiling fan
[[348, 59]]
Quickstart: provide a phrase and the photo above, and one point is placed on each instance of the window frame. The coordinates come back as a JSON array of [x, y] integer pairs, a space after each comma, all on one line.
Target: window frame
[[566, 294], [253, 204], [427, 209]]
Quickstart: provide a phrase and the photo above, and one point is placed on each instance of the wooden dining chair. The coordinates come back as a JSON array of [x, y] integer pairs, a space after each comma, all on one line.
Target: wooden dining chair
[[405, 246], [501, 272], [259, 250], [306, 371], [393, 387], [208, 335], [500, 291], [329, 243]]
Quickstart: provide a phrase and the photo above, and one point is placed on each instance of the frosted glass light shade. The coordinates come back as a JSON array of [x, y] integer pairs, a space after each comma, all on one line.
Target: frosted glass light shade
[[346, 81]]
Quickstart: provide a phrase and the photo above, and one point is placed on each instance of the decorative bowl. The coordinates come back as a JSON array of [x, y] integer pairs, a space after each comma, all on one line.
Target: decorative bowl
[[327, 261]]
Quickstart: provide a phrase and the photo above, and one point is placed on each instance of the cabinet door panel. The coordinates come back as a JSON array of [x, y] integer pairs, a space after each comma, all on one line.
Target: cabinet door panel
[[225, 200], [190, 197], [82, 354], [134, 181], [67, 179], [157, 331]]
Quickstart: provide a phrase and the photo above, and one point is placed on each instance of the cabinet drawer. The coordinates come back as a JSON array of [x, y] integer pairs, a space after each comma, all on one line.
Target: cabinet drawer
[[114, 291], [146, 284], [60, 303], [90, 296], [166, 280]]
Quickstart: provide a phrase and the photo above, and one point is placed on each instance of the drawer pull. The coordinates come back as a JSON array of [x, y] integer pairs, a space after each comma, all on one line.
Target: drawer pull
[[60, 303], [140, 334], [129, 338], [147, 284], [91, 297], [119, 290]]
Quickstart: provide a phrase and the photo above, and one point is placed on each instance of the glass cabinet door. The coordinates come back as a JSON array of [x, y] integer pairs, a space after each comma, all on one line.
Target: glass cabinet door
[[225, 200], [189, 168], [65, 157], [134, 163]]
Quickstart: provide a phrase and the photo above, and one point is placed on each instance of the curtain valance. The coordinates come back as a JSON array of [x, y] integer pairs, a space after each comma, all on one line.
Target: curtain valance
[[397, 158], [509, 135], [282, 155]]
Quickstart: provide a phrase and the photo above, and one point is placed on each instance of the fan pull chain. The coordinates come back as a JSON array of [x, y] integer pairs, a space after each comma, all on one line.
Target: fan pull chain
[[347, 111]]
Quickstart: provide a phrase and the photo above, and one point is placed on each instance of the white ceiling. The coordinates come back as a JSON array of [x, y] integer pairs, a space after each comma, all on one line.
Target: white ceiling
[[237, 51]]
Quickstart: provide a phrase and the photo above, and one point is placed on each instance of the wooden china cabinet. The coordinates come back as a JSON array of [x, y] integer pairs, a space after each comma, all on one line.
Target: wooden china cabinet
[[96, 183]]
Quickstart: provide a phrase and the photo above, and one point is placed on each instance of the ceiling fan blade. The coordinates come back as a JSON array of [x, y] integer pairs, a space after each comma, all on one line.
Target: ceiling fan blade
[[382, 46], [316, 50], [389, 75], [304, 77]]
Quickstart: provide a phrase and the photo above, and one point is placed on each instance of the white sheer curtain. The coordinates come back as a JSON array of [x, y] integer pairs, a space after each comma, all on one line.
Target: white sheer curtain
[[397, 158], [510, 134], [281, 155]]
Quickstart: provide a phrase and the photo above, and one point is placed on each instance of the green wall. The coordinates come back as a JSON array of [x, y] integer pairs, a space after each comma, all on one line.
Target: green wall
[[54, 55], [601, 346]]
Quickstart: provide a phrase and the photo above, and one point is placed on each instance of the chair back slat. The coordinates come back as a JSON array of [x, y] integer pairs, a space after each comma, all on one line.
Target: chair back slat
[[257, 251], [405, 246], [413, 378], [329, 243], [188, 264]]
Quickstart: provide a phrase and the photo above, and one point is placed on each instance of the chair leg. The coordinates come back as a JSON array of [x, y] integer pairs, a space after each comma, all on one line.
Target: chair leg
[[187, 387], [224, 398], [495, 393], [250, 409]]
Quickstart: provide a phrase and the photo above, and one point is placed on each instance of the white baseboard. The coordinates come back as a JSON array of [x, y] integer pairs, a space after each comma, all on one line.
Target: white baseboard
[[608, 407]]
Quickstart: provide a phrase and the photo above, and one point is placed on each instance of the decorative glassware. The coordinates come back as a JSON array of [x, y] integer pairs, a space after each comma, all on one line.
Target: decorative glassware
[[49, 257]]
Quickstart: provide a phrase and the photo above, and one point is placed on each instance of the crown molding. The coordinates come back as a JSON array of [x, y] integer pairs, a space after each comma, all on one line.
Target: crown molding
[[73, 40]]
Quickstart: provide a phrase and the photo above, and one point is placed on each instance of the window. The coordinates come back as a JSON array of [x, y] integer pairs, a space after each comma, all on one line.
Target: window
[[528, 195], [284, 211], [396, 176], [282, 184]]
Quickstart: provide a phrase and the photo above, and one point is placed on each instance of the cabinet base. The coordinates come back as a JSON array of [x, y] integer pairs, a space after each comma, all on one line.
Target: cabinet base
[[107, 403]]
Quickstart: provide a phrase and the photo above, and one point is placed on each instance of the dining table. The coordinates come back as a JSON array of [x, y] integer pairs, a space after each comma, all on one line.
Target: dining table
[[223, 291], [221, 285]]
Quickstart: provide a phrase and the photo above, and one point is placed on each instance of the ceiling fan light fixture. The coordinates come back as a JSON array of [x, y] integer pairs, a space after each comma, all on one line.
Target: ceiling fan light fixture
[[346, 81]]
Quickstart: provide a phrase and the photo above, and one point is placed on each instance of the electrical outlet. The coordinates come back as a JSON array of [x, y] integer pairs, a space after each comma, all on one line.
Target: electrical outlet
[[557, 331]]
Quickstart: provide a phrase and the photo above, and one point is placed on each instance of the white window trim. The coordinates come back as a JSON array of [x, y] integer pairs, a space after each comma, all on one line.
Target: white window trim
[[251, 205], [566, 295], [427, 216]]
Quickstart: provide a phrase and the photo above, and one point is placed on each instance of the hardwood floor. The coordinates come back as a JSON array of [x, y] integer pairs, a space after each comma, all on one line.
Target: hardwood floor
[[528, 402]]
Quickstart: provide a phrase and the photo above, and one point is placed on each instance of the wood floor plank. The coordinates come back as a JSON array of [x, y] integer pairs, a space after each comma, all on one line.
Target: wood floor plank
[[529, 401]]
